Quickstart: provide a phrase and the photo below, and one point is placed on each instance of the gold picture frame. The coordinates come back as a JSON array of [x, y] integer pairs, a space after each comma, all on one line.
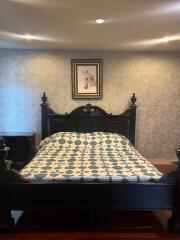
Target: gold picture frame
[[86, 77]]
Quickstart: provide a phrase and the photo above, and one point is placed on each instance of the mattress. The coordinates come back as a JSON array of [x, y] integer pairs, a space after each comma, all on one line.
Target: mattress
[[89, 157]]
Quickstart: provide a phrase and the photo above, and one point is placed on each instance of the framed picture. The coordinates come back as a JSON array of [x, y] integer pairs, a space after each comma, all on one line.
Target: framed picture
[[86, 78]]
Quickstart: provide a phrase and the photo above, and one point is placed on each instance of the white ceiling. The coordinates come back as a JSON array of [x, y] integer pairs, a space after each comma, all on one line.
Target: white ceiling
[[70, 24]]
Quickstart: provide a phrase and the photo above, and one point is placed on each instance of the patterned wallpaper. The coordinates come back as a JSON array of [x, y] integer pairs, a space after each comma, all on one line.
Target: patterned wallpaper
[[153, 76]]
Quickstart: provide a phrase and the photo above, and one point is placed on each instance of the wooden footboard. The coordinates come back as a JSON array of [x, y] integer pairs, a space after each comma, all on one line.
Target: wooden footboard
[[7, 179], [17, 194], [120, 196], [174, 221]]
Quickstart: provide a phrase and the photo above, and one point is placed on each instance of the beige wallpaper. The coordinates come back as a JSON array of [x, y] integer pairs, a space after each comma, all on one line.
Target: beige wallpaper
[[153, 76]]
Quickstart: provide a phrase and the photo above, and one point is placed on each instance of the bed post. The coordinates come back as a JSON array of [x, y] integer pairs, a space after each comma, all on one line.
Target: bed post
[[133, 107], [174, 221], [7, 177], [44, 108], [6, 220], [7, 223]]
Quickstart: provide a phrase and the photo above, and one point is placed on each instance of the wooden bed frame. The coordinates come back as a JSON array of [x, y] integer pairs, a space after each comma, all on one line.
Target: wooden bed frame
[[18, 194], [89, 119]]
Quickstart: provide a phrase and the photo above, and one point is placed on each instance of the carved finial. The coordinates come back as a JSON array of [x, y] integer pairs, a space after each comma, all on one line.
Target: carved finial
[[88, 108], [44, 98], [133, 99], [178, 153]]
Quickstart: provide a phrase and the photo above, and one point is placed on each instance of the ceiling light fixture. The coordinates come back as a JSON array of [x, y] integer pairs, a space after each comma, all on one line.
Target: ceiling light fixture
[[28, 37], [163, 40], [166, 39], [99, 21]]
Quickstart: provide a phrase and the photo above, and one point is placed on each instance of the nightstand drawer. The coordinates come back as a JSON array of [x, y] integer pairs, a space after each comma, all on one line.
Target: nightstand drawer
[[19, 143], [19, 158], [22, 146], [16, 151]]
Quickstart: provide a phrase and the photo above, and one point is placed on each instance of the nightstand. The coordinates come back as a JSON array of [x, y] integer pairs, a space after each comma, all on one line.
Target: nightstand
[[22, 147]]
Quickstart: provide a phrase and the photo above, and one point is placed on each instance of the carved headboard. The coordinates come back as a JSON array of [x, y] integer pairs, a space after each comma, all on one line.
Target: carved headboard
[[89, 119]]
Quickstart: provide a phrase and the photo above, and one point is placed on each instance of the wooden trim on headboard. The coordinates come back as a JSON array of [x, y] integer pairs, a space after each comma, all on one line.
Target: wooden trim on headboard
[[89, 119]]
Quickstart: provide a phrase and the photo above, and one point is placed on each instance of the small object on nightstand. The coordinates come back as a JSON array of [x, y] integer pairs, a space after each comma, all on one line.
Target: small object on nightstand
[[178, 153], [8, 164], [22, 147], [177, 162], [3, 154]]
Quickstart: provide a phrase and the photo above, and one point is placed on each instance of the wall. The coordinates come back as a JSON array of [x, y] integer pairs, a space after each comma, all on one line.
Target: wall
[[153, 76]]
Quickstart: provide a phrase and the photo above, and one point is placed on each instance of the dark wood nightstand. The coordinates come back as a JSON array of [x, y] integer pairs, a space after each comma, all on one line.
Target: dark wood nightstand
[[22, 147]]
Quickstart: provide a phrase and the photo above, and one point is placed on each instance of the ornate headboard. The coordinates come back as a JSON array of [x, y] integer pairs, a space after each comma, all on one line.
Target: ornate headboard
[[89, 119]]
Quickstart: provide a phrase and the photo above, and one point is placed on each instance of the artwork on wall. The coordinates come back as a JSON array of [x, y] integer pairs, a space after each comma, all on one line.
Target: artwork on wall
[[86, 78]]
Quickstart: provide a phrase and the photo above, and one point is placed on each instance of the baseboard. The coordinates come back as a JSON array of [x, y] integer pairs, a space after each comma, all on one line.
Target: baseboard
[[161, 161]]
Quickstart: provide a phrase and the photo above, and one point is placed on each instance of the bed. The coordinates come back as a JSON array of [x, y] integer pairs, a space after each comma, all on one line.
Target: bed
[[89, 157], [77, 168]]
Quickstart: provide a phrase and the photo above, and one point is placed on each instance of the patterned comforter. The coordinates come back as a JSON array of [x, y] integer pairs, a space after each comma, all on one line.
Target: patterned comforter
[[98, 156]]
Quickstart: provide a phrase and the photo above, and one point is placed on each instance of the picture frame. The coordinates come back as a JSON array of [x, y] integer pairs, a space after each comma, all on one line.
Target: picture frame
[[86, 77]]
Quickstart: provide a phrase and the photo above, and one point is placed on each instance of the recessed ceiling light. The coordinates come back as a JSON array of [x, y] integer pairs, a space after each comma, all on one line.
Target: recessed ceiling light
[[99, 21]]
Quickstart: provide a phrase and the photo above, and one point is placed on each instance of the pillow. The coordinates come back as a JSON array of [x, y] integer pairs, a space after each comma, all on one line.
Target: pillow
[[43, 142], [92, 139]]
